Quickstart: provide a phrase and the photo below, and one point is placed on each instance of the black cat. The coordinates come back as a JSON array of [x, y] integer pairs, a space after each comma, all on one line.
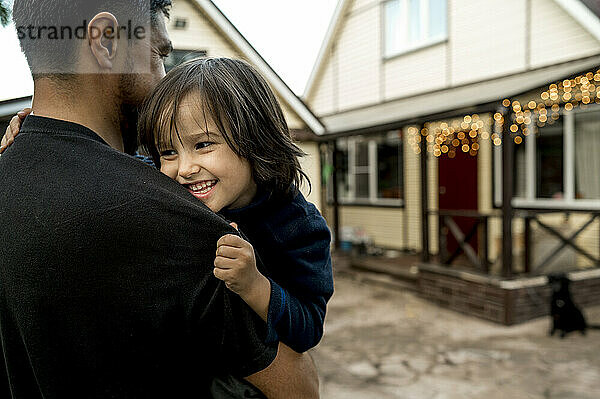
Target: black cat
[[566, 316]]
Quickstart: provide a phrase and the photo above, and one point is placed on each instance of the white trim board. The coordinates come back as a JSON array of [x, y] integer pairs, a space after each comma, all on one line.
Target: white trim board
[[334, 27], [229, 30], [582, 14]]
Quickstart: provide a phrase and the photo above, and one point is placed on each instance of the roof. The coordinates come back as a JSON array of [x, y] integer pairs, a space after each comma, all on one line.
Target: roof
[[211, 11], [593, 5], [11, 107], [586, 12], [231, 32], [406, 109]]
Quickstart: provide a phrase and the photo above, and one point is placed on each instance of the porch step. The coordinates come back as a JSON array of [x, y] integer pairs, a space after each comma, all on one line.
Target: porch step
[[379, 279], [403, 268]]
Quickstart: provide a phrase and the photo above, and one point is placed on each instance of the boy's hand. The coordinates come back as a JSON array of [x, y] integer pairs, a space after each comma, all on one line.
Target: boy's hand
[[235, 264], [13, 129]]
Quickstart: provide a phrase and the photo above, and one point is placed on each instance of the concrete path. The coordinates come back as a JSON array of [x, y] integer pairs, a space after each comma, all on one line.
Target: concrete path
[[382, 343]]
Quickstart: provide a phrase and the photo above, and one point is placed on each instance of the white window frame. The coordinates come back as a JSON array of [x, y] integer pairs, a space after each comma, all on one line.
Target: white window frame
[[425, 41], [530, 201], [372, 170]]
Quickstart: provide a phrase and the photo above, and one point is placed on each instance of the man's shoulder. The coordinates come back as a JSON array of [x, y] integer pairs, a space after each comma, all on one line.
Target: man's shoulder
[[74, 174]]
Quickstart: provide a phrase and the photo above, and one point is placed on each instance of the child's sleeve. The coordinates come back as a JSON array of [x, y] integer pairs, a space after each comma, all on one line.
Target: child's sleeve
[[297, 312]]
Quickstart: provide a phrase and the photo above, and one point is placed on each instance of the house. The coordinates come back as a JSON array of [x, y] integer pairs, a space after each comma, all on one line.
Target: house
[[198, 28], [468, 132]]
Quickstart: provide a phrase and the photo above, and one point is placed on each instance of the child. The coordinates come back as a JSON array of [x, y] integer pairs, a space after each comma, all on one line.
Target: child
[[215, 126]]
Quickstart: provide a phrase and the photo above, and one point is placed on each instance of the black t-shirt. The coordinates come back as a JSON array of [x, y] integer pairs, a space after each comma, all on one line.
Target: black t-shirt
[[106, 284]]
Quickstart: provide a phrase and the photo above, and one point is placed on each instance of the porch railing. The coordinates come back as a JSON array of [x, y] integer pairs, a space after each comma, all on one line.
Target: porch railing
[[479, 258]]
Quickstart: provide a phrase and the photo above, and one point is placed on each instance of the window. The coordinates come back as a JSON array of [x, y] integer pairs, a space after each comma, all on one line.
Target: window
[[180, 23], [410, 24], [558, 165], [549, 162], [587, 159], [179, 56], [369, 170]]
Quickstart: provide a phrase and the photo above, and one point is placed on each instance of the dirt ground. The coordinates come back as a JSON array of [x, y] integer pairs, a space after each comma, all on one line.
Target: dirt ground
[[385, 343]]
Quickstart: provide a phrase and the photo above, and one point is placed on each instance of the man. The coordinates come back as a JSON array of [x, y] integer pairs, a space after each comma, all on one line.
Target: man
[[106, 285]]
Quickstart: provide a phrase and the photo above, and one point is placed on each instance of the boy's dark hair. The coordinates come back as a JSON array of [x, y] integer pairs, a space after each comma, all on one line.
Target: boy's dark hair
[[244, 109], [48, 58]]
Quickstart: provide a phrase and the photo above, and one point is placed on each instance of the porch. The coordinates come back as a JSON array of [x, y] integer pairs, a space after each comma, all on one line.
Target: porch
[[492, 261]]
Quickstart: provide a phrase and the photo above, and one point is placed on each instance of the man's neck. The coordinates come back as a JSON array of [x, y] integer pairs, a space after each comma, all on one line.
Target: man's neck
[[90, 107]]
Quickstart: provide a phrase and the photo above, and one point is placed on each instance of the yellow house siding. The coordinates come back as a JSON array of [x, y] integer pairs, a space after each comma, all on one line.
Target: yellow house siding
[[382, 225], [359, 5], [556, 36], [487, 38], [322, 98], [293, 120], [416, 72], [311, 165], [359, 59], [200, 33]]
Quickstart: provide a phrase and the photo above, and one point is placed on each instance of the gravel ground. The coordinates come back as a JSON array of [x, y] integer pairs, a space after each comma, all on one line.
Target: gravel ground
[[385, 343]]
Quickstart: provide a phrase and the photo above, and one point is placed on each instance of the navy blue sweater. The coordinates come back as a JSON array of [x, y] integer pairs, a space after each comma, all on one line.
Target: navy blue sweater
[[292, 240]]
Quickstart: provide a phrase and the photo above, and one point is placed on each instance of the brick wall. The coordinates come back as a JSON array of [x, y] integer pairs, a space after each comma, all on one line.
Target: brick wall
[[501, 301]]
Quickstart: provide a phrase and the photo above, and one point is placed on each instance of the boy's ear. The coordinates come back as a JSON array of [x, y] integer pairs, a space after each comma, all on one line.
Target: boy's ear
[[102, 37]]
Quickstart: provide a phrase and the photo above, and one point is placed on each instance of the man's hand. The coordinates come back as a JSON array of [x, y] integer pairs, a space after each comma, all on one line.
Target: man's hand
[[13, 129]]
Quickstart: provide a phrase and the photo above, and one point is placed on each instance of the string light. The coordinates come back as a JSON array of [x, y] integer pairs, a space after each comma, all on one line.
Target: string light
[[464, 134]]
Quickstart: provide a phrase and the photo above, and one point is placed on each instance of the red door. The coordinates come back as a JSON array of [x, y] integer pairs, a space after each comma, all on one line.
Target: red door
[[458, 191]]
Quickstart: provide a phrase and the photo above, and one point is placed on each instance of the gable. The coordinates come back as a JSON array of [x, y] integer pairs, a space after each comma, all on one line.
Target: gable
[[201, 33], [354, 72], [568, 38]]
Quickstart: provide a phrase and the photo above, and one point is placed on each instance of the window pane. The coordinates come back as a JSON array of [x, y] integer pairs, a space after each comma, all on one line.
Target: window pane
[[362, 153], [362, 185], [437, 19], [180, 56], [549, 150], [587, 155], [395, 32], [519, 172], [389, 159], [414, 21]]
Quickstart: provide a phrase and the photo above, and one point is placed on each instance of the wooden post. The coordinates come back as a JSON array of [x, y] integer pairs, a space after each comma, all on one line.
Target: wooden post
[[485, 261], [528, 249], [424, 199], [442, 246], [336, 210], [507, 195]]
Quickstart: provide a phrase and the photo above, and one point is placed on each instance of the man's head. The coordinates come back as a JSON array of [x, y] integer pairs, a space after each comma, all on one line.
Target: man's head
[[54, 34], [114, 48]]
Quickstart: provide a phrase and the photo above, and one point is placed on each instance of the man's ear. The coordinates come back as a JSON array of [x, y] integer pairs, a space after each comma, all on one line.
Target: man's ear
[[103, 38]]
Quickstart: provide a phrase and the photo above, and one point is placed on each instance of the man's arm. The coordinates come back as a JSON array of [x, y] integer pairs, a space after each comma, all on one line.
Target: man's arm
[[290, 376]]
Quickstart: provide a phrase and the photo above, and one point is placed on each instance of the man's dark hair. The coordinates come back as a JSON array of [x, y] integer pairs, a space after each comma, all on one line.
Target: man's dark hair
[[52, 57], [244, 109]]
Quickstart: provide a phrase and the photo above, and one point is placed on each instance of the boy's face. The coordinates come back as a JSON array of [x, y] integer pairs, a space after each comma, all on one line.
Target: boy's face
[[204, 164]]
